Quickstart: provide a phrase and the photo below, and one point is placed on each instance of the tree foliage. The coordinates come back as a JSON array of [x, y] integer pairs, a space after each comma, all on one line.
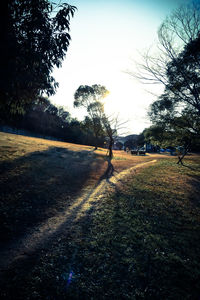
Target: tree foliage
[[89, 97], [178, 108], [176, 112], [43, 119], [35, 40], [174, 34]]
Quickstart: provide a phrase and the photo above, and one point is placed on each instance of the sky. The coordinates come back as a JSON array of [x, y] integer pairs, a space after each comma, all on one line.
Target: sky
[[107, 36]]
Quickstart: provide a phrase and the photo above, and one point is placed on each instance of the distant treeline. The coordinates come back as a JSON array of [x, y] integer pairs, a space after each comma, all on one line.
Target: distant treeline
[[44, 119]]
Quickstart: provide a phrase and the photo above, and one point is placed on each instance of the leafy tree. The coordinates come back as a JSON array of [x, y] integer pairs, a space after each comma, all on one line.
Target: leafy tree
[[35, 40], [174, 34], [130, 144], [90, 138], [178, 108], [43, 118], [181, 95], [155, 134], [119, 145], [140, 140], [177, 67], [90, 98]]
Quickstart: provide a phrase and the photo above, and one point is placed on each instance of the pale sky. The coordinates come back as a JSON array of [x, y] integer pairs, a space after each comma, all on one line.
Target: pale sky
[[106, 34]]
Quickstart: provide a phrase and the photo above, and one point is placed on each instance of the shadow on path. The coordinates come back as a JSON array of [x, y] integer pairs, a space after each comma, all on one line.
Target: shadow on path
[[41, 226], [30, 247], [37, 186]]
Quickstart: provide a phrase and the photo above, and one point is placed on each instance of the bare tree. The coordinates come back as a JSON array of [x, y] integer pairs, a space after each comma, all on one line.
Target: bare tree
[[178, 29], [112, 125], [176, 65]]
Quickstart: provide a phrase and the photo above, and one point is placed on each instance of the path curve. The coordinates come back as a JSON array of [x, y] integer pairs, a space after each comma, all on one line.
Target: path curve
[[42, 234]]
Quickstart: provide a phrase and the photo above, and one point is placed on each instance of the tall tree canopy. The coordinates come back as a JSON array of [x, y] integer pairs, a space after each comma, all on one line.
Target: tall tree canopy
[[178, 108], [175, 33], [177, 67], [90, 98], [35, 39]]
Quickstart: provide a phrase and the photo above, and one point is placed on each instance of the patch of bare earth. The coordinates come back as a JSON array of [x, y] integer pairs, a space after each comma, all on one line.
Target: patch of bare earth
[[47, 186]]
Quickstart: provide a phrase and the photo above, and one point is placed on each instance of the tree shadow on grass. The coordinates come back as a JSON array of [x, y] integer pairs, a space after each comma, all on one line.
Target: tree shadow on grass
[[139, 244], [140, 247], [193, 173], [196, 168], [37, 186], [27, 260], [193, 195], [109, 170]]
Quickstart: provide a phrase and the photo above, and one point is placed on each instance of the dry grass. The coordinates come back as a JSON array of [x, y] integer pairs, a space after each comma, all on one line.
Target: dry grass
[[138, 241], [141, 242], [39, 178]]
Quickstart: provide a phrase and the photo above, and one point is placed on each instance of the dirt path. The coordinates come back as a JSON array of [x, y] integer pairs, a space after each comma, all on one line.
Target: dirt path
[[40, 237]]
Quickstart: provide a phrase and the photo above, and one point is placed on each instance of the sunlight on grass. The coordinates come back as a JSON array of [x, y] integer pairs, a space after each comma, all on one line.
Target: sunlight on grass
[[148, 230], [13, 146], [132, 236]]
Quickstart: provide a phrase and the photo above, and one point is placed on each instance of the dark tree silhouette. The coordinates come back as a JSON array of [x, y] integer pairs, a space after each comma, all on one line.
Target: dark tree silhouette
[[177, 67], [35, 39], [90, 98], [178, 108], [110, 127]]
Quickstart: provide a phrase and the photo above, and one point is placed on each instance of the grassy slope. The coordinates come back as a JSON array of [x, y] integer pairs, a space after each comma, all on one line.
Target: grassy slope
[[39, 178], [142, 242]]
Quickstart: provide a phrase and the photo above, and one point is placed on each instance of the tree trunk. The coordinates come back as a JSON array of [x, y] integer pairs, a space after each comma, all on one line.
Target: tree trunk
[[110, 148], [181, 156]]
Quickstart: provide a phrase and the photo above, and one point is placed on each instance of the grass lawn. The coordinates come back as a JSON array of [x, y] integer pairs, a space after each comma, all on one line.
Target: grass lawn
[[39, 178], [140, 241]]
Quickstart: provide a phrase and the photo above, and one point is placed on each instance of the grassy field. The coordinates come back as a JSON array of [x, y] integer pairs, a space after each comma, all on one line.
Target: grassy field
[[139, 241], [39, 178]]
